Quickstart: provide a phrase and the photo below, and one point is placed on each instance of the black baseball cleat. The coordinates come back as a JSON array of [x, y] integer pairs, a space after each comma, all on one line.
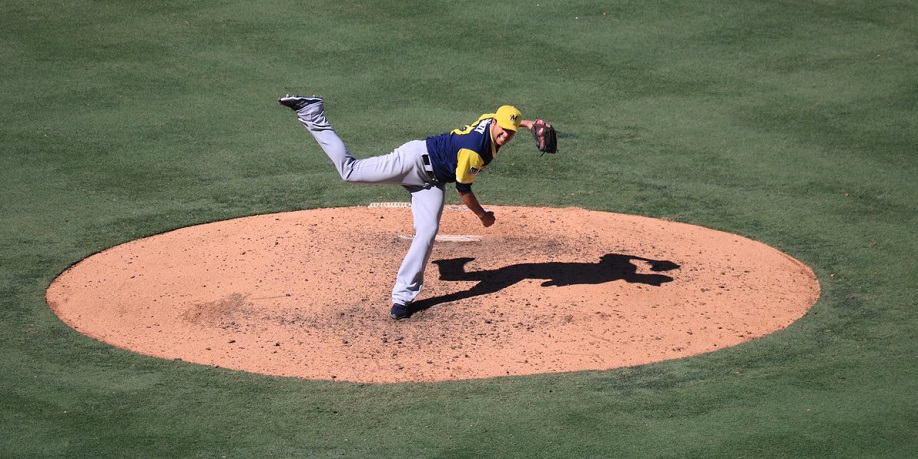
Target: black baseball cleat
[[298, 102], [399, 311]]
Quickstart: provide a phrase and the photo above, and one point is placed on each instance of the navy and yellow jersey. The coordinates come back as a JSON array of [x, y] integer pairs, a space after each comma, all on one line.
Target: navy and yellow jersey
[[459, 155]]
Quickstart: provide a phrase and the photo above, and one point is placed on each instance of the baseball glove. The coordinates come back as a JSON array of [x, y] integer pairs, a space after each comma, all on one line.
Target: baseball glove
[[546, 137]]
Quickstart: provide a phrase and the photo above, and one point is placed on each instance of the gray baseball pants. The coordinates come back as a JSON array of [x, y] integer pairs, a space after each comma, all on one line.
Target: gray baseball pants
[[403, 166]]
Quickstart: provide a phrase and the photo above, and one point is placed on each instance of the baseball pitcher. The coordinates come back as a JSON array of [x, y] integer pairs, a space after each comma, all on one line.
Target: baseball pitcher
[[423, 167]]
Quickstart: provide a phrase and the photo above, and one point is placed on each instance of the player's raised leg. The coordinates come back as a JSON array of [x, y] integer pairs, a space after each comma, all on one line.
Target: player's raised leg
[[403, 166], [311, 112]]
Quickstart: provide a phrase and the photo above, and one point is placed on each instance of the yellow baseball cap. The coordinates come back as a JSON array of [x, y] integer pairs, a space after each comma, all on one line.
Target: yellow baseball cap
[[508, 117]]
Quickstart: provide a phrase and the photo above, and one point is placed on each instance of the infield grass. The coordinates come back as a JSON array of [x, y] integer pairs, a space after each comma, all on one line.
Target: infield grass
[[790, 122]]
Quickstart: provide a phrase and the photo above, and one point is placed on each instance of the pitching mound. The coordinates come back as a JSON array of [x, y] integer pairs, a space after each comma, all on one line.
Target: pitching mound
[[306, 294]]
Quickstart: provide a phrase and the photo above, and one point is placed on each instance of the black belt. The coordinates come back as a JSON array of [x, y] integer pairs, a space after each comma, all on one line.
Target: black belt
[[429, 168]]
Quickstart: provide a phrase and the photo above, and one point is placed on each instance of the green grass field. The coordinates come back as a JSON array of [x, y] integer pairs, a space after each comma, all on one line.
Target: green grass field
[[790, 122]]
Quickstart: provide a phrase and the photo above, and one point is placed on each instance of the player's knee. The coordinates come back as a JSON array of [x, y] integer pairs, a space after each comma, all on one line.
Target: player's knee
[[426, 233], [346, 172]]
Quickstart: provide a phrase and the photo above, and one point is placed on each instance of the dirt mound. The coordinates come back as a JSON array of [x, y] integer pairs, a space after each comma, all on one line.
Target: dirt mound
[[306, 294]]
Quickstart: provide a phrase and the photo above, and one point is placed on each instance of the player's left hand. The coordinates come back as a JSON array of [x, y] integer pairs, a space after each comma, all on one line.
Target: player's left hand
[[546, 137]]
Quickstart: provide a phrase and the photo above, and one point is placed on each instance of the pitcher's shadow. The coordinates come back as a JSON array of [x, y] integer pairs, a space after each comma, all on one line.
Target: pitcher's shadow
[[611, 267]]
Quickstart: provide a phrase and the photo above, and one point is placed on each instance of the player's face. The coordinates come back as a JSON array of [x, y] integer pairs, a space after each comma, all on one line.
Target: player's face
[[501, 135]]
